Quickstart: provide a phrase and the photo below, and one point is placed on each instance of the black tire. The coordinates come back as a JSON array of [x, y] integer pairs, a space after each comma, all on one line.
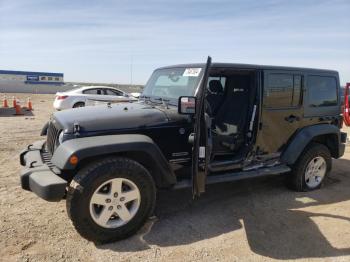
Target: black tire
[[79, 104], [90, 178], [297, 176]]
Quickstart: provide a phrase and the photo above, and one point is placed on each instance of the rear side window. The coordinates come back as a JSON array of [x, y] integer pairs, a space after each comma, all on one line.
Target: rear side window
[[93, 92], [282, 90], [322, 91]]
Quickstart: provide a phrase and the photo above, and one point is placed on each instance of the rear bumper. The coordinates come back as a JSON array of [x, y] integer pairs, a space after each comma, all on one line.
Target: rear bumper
[[342, 143], [36, 176], [62, 104], [57, 105]]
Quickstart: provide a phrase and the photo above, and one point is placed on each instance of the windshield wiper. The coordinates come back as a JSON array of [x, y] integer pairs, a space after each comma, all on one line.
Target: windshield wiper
[[145, 97], [164, 101]]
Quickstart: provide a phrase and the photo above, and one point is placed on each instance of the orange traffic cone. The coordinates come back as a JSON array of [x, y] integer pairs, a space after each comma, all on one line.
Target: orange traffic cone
[[18, 110], [29, 105], [5, 102], [14, 102]]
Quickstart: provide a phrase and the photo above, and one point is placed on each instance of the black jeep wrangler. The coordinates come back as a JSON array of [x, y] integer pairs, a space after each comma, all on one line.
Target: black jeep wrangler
[[195, 124]]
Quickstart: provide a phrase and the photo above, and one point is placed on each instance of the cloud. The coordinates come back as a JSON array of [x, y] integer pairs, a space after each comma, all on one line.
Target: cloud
[[96, 40]]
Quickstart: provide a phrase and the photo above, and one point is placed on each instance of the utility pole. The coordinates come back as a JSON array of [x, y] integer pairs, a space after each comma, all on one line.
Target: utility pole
[[131, 69]]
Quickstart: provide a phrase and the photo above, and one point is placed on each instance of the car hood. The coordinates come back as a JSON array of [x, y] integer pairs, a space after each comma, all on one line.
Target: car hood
[[110, 117]]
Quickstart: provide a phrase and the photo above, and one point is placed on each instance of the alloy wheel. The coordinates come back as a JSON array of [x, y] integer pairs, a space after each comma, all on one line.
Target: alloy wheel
[[115, 203]]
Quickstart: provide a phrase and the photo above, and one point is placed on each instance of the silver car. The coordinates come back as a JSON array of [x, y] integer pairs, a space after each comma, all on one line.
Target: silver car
[[91, 95]]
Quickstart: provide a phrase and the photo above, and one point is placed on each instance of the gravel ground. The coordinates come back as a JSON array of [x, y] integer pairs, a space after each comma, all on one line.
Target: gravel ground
[[248, 220]]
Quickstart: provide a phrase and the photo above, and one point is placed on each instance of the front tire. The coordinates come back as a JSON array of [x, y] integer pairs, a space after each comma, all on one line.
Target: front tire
[[311, 169], [110, 199]]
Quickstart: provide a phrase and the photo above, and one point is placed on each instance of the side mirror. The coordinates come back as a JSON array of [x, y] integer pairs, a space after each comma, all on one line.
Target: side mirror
[[187, 105]]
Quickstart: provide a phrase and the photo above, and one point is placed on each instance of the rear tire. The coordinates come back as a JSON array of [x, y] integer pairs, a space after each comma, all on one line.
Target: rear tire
[[79, 104], [311, 168], [100, 179]]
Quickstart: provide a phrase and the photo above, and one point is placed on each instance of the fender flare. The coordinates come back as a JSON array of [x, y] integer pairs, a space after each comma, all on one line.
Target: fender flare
[[87, 147], [303, 137], [44, 129]]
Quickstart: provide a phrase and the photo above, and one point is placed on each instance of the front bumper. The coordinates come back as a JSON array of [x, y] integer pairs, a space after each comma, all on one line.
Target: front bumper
[[36, 176]]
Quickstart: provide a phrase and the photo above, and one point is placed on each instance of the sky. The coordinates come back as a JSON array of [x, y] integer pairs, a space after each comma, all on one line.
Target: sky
[[114, 41]]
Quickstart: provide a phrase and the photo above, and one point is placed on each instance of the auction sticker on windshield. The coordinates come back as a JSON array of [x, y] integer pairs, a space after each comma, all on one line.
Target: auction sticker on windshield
[[192, 72]]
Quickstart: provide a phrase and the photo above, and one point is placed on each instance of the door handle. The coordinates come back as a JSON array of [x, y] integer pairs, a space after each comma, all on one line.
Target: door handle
[[291, 118]]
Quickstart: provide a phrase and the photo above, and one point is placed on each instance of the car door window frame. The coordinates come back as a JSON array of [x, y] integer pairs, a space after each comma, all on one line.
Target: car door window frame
[[293, 74], [85, 92], [115, 92], [310, 111]]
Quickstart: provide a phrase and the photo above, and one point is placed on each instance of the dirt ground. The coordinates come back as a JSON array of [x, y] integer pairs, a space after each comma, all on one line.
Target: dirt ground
[[248, 220]]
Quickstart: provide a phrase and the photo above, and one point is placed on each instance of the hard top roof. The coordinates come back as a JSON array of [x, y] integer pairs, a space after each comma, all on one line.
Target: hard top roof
[[251, 66]]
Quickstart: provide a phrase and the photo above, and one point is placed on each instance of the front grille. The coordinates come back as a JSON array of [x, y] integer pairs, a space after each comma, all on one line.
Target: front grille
[[46, 157], [52, 137]]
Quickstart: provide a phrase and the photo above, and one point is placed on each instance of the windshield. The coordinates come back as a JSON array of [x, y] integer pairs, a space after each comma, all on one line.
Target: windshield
[[171, 83]]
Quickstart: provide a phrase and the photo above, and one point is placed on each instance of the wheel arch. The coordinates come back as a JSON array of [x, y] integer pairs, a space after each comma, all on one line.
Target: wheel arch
[[78, 102], [326, 134], [330, 141], [140, 148]]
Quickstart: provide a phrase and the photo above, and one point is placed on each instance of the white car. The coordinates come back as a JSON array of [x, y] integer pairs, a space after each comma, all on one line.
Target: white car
[[90, 95]]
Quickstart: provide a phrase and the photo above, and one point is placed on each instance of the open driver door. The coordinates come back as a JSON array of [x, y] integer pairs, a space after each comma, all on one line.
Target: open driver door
[[346, 113], [202, 137]]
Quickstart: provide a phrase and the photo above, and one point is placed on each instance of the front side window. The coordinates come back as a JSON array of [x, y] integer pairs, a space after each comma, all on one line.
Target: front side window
[[322, 91], [112, 92], [171, 83]]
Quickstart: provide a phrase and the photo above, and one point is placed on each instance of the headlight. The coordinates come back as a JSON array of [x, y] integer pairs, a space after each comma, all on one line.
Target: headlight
[[60, 138]]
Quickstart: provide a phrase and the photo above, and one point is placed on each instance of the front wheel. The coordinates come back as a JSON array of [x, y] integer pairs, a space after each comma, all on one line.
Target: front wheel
[[110, 199], [310, 170]]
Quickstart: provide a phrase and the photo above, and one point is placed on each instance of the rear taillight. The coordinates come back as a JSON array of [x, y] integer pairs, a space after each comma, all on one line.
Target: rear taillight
[[61, 97], [346, 111]]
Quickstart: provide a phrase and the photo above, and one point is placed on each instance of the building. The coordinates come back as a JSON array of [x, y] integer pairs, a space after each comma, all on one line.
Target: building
[[30, 82]]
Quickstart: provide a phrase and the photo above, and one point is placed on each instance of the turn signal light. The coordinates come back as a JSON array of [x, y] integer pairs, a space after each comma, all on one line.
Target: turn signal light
[[73, 160]]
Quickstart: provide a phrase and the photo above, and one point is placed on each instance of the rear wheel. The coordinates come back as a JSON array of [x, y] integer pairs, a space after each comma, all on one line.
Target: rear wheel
[[310, 170], [110, 199], [79, 104]]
